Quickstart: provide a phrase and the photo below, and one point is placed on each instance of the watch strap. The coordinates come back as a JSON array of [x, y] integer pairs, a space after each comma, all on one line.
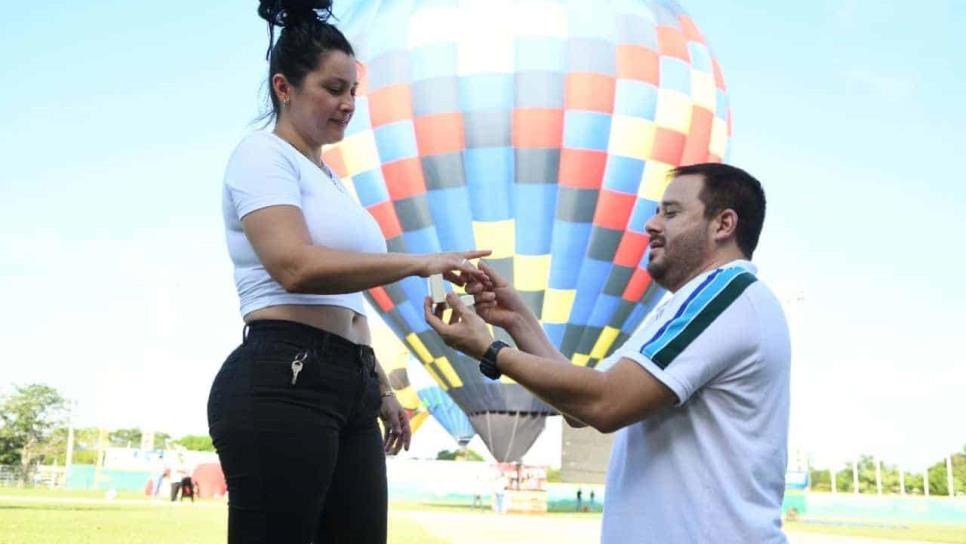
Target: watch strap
[[488, 362]]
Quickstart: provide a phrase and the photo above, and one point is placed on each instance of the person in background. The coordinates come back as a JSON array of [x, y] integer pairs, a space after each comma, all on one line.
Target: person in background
[[156, 488], [293, 410], [189, 487], [177, 476], [479, 489]]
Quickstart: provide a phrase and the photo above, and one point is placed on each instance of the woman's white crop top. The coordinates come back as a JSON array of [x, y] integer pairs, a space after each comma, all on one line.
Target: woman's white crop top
[[265, 170]]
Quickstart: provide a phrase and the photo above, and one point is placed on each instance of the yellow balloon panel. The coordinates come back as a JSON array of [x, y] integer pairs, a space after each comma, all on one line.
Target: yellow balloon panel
[[497, 236], [631, 137], [530, 272]]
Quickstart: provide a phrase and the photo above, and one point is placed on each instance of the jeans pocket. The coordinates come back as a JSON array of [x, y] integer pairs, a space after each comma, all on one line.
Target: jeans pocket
[[279, 365]]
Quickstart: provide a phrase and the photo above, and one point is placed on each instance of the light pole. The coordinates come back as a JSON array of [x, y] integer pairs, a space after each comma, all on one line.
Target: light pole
[[878, 475], [949, 476], [71, 406]]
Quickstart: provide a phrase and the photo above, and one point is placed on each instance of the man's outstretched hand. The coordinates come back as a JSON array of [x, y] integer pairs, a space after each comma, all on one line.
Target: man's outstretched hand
[[496, 301], [465, 330]]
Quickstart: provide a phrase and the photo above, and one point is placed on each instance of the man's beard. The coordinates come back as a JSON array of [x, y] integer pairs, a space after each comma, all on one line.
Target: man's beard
[[682, 262]]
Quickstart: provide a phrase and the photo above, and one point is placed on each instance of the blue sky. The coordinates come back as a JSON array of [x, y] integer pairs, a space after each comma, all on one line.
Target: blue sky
[[118, 119]]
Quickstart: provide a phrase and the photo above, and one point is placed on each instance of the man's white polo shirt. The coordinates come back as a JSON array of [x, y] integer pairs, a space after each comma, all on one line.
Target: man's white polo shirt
[[711, 468]]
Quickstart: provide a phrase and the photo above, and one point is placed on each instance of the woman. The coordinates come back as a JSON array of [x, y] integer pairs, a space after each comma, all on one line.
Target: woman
[[293, 410]]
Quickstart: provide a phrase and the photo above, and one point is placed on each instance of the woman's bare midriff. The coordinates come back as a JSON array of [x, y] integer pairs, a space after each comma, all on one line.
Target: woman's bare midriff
[[335, 319]]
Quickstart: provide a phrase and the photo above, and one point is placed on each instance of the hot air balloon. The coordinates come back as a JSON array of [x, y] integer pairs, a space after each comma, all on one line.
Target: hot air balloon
[[543, 130], [392, 355], [440, 404], [406, 394]]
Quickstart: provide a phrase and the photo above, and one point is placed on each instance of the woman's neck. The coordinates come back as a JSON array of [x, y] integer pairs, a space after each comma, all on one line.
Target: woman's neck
[[290, 135]]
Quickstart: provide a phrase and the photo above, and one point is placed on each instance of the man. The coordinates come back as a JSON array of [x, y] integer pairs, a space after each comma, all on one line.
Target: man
[[699, 394]]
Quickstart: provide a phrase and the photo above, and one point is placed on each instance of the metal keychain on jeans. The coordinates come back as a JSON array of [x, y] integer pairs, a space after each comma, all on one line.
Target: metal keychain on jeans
[[297, 365]]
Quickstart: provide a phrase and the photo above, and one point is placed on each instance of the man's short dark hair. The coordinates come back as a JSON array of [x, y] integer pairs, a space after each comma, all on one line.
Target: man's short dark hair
[[727, 187]]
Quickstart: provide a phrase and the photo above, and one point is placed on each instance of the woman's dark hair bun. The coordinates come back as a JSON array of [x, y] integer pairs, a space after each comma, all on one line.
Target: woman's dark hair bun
[[286, 13]]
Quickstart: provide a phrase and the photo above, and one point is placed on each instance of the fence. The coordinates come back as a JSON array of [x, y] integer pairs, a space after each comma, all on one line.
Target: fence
[[41, 476]]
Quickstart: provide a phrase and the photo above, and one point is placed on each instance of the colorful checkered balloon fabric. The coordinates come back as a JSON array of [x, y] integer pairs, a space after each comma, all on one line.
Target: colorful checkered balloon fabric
[[541, 129], [440, 404]]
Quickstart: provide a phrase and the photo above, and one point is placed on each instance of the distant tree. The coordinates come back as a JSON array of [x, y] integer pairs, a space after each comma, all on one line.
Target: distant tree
[[914, 483], [162, 441], [458, 455], [85, 446], [820, 480], [937, 479], [125, 438], [867, 474], [195, 442], [938, 482], [843, 479], [959, 472], [445, 455], [131, 438], [28, 418]]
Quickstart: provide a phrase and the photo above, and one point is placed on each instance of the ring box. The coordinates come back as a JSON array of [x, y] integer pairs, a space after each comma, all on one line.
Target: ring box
[[437, 290]]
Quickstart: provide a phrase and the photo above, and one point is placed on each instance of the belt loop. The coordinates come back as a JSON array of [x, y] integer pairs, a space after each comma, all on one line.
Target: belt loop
[[245, 330]]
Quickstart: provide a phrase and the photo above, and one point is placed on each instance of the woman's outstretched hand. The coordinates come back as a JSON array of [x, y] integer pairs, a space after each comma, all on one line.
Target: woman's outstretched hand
[[455, 266]]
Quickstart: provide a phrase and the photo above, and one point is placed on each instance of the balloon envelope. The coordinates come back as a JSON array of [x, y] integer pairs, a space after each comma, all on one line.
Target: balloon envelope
[[398, 374], [440, 404], [543, 130]]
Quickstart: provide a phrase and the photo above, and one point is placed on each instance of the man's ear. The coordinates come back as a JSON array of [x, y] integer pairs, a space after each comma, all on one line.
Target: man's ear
[[726, 225]]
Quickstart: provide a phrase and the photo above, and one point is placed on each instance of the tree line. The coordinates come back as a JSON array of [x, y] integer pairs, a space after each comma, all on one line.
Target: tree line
[[34, 431], [821, 479]]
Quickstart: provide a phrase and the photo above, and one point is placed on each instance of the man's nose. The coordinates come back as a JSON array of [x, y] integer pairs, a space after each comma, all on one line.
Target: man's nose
[[653, 225]]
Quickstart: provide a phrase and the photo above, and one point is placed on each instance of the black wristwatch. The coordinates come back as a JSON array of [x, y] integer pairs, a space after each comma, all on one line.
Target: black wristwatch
[[488, 362]]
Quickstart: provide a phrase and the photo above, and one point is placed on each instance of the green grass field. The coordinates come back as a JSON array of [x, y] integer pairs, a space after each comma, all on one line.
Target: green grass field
[[40, 516], [85, 517], [915, 533]]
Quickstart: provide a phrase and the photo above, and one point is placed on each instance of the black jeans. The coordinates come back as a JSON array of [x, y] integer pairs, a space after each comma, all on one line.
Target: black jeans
[[292, 413]]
